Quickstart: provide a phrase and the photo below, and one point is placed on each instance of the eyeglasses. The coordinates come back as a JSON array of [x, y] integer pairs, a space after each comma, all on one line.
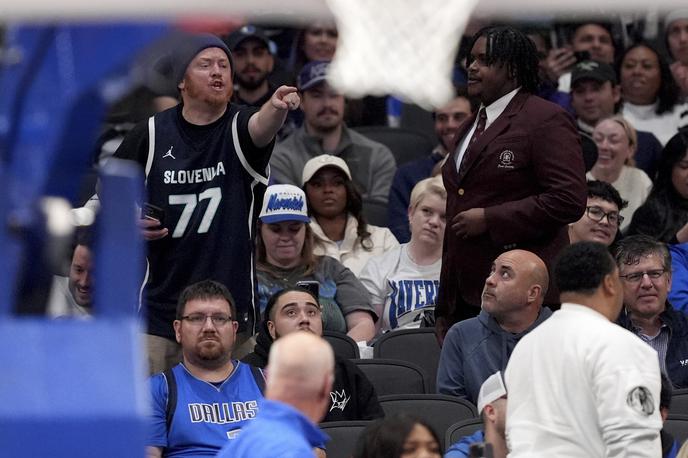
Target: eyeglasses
[[635, 277], [596, 214], [199, 319]]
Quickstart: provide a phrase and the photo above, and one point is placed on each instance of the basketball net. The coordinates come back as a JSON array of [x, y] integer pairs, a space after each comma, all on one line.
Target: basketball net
[[401, 47]]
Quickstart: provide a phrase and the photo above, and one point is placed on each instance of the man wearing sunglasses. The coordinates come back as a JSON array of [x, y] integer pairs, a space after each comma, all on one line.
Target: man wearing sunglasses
[[645, 271], [203, 402]]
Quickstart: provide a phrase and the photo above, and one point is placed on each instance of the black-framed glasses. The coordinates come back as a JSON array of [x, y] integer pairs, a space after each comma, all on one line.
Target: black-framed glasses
[[199, 319], [596, 214], [635, 277]]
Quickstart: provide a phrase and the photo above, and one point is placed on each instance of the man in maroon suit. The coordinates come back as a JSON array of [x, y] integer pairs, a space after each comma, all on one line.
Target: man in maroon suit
[[515, 177]]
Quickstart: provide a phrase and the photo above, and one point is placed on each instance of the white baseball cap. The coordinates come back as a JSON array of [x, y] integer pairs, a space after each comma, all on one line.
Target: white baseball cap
[[284, 202], [324, 160], [492, 389]]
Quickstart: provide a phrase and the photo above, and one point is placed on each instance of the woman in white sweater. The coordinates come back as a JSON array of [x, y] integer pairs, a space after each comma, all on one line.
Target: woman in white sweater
[[336, 210], [616, 142]]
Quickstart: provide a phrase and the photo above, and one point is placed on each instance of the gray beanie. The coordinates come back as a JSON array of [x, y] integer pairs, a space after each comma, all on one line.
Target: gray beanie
[[189, 47]]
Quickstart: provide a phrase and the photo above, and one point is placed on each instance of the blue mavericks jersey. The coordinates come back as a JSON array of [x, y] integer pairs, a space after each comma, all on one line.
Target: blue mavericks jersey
[[206, 416], [209, 180]]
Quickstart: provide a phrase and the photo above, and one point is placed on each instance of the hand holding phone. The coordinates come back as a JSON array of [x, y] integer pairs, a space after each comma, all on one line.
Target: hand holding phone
[[152, 222]]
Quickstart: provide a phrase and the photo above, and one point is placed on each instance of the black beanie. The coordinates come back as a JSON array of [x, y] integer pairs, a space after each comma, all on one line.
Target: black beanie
[[189, 47]]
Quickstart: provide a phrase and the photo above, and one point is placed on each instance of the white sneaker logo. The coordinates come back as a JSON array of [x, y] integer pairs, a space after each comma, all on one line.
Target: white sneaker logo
[[169, 153]]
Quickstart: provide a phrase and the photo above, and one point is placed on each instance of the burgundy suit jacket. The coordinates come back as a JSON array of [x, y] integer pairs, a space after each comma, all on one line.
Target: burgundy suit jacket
[[527, 171]]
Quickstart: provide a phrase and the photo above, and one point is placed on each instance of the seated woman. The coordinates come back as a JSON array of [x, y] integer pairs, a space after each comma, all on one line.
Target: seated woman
[[336, 210], [318, 41], [284, 257], [616, 141], [403, 282], [398, 436], [650, 94], [665, 213]]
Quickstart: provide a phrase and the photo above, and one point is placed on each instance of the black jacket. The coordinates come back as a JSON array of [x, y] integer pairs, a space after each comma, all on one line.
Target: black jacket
[[352, 397], [677, 348]]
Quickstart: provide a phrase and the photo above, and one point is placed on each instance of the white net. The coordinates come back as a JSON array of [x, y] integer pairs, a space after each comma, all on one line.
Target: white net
[[400, 47]]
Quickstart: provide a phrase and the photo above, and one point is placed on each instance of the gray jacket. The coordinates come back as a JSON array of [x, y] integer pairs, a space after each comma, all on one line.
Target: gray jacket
[[473, 350], [372, 164]]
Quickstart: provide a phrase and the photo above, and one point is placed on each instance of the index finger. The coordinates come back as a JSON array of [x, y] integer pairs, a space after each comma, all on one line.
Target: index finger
[[284, 90]]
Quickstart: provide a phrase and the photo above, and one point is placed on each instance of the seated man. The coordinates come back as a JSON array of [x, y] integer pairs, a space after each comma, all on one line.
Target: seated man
[[448, 119], [511, 307], [72, 296], [596, 95], [492, 408], [299, 380], [645, 269], [601, 220], [204, 401], [296, 309], [324, 132]]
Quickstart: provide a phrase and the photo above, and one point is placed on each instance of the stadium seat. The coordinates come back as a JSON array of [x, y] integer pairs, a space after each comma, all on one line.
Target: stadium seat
[[343, 345], [440, 411], [417, 346], [461, 429], [406, 145], [343, 436], [679, 402], [677, 426], [390, 376]]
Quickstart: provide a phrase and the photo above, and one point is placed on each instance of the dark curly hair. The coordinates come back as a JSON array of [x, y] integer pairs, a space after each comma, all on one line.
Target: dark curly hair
[[665, 211], [509, 46]]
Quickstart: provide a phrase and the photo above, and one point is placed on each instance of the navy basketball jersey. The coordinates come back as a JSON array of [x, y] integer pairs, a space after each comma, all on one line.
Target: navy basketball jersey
[[206, 415], [209, 180]]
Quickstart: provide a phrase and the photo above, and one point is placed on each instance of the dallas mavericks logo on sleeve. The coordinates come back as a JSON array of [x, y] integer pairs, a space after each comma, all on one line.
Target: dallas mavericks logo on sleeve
[[641, 400]]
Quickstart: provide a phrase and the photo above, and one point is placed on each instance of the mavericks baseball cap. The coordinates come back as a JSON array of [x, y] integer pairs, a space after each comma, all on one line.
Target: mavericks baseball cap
[[244, 33], [284, 202], [312, 74], [593, 70], [492, 389], [324, 160]]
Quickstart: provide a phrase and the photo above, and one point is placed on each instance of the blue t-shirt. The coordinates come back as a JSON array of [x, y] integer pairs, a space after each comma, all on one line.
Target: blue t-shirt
[[279, 431], [461, 448], [206, 416]]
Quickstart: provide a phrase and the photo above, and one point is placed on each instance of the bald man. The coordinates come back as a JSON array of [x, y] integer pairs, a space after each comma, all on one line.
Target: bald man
[[511, 307], [300, 373]]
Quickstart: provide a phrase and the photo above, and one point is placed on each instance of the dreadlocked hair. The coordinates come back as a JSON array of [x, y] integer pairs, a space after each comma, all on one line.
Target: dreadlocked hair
[[511, 47]]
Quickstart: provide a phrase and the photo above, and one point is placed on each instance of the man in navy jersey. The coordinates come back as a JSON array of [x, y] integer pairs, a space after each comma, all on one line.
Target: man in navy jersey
[[206, 168], [203, 402]]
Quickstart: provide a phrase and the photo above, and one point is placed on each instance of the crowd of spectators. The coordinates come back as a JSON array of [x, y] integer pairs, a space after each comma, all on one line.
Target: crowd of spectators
[[310, 225]]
